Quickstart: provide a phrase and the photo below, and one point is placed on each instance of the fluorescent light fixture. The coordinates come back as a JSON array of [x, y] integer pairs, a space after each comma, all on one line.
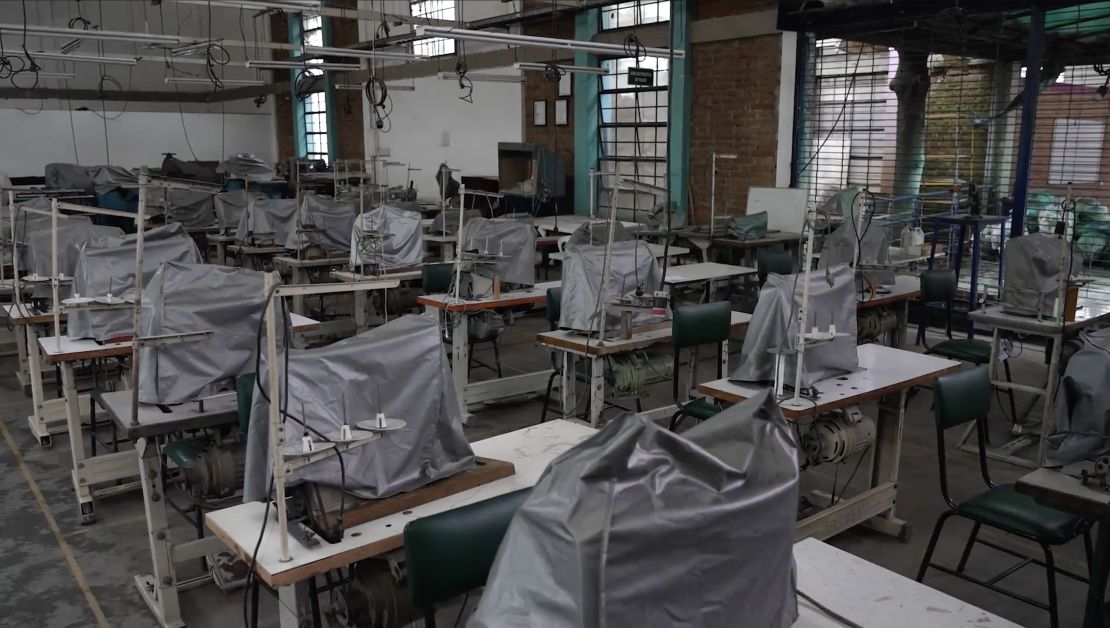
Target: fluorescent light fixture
[[393, 88], [553, 43], [85, 58], [80, 33], [301, 65], [56, 75], [294, 6], [478, 77], [573, 69], [71, 45], [368, 54], [190, 80], [192, 48]]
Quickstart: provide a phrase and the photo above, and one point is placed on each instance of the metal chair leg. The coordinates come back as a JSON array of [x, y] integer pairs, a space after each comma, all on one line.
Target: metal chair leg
[[547, 396], [967, 548], [639, 406], [497, 358], [932, 544], [1088, 548], [1010, 379], [1050, 571]]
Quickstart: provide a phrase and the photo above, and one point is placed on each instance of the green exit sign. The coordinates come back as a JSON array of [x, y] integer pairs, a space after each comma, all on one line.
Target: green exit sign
[[641, 77]]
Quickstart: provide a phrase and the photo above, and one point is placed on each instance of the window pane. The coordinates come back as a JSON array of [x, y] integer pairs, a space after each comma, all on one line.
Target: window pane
[[439, 10], [635, 13]]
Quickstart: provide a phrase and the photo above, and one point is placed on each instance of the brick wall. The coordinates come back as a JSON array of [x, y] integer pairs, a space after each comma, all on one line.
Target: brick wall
[[536, 87], [734, 110], [1067, 102], [348, 132]]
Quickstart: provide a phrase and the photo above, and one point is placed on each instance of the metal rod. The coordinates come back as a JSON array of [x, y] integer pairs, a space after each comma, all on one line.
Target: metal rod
[[459, 242], [16, 284], [1034, 56], [54, 280], [603, 298], [804, 307], [140, 226], [277, 422]]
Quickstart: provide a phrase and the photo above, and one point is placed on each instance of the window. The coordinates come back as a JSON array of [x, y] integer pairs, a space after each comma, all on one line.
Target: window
[[1076, 151], [437, 10], [635, 13], [316, 105], [633, 129]]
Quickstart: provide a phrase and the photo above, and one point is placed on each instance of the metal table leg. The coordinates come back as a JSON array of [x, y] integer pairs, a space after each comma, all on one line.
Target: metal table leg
[[597, 388], [460, 357], [159, 590]]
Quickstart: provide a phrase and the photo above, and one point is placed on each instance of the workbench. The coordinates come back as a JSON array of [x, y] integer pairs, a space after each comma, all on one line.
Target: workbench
[[569, 223], [657, 250], [298, 271], [703, 272], [456, 314], [1089, 313], [530, 450], [446, 243], [91, 470], [221, 242], [1064, 492], [859, 590], [361, 316], [243, 251], [885, 375], [48, 416], [746, 249], [159, 589], [572, 344]]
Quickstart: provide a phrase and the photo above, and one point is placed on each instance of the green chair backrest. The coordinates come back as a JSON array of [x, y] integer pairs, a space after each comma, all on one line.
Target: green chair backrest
[[938, 286], [962, 397], [244, 395], [778, 261], [554, 306], [701, 324], [450, 553], [436, 278]]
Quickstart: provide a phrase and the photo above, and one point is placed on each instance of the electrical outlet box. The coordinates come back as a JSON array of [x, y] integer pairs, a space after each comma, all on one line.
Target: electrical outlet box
[[445, 139]]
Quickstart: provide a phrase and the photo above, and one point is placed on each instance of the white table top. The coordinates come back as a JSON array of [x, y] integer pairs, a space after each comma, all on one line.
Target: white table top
[[536, 294], [348, 276], [905, 287], [882, 370], [439, 237], [70, 349], [1089, 312], [582, 344], [656, 250], [868, 595], [292, 262], [568, 223], [704, 271], [530, 450]]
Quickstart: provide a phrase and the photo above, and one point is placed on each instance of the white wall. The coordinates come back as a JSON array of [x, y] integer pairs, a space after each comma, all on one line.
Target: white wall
[[137, 138], [421, 119]]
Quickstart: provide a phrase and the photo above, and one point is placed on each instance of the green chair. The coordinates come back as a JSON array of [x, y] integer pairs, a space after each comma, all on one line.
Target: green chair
[[244, 396], [451, 553], [695, 325], [778, 261], [939, 286], [963, 398], [436, 279]]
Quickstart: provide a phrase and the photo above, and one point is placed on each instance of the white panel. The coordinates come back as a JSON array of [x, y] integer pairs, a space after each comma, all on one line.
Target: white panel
[[135, 138], [785, 207]]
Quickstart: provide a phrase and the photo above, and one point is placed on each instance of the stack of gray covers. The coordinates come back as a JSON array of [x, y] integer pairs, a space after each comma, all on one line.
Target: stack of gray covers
[[632, 266], [597, 233], [387, 238], [184, 298], [68, 177], [109, 264], [774, 327], [323, 222], [1033, 273], [639, 526], [193, 209], [515, 240], [230, 207], [246, 166], [268, 220], [400, 369], [111, 178], [1082, 405]]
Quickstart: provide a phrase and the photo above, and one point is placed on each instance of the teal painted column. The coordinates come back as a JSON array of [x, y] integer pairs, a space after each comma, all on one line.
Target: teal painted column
[[679, 113], [586, 122], [300, 141]]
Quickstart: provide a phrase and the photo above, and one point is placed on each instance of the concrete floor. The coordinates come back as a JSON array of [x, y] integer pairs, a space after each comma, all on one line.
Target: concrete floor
[[61, 574]]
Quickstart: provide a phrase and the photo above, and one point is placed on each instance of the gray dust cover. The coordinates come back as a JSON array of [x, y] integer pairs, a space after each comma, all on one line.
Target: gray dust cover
[[774, 327], [183, 298], [632, 266], [323, 222], [246, 166], [1082, 406], [268, 220], [230, 207], [513, 239], [387, 238], [399, 368], [638, 526], [1034, 265]]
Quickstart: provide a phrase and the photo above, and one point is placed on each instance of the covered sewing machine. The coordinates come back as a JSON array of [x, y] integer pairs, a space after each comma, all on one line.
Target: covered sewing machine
[[193, 209], [1082, 406], [105, 270], [61, 176], [230, 207], [184, 298], [633, 270], [640, 526], [267, 220], [387, 238], [323, 222], [399, 369], [773, 330], [1035, 266], [247, 167], [37, 255], [499, 248]]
